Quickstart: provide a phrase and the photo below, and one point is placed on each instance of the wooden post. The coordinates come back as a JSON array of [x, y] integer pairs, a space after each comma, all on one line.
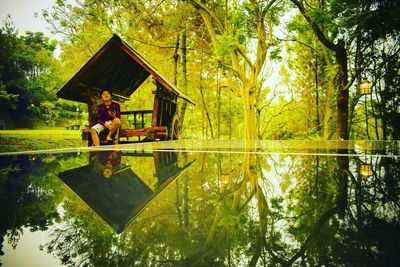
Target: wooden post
[[160, 113], [90, 116], [134, 120], [155, 110]]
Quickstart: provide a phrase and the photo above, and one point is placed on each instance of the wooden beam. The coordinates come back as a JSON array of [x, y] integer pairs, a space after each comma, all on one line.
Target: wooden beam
[[149, 111], [155, 111]]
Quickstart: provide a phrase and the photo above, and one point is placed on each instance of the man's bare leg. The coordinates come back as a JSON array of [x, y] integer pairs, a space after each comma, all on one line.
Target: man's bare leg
[[95, 137], [114, 126]]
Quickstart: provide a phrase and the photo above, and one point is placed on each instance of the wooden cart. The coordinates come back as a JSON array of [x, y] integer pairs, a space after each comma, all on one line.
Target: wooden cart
[[118, 67]]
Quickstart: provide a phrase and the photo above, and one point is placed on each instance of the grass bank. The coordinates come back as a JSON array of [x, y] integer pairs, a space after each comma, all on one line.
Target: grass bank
[[22, 140]]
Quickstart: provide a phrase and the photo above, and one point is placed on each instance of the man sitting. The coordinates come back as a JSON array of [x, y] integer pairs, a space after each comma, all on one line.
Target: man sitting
[[108, 117]]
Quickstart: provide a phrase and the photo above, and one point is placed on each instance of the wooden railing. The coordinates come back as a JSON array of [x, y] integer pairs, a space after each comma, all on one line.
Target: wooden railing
[[138, 117]]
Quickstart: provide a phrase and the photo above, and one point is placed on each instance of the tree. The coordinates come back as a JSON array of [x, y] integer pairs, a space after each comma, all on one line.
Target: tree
[[27, 73], [49, 112], [339, 50], [346, 37], [314, 84], [231, 27], [9, 73]]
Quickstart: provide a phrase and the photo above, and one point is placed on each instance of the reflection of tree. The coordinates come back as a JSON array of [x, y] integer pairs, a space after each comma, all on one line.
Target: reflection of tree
[[359, 229], [84, 238], [304, 211], [30, 193], [235, 210], [371, 231], [312, 203], [245, 208]]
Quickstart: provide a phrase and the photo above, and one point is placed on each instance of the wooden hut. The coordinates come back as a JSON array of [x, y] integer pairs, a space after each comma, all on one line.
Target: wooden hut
[[118, 67]]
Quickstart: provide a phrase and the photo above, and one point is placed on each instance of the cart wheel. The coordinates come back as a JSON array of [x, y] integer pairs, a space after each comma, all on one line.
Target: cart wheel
[[175, 130]]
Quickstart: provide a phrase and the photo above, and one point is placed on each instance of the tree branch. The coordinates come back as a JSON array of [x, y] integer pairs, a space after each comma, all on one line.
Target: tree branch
[[201, 6], [317, 30], [317, 228], [240, 51]]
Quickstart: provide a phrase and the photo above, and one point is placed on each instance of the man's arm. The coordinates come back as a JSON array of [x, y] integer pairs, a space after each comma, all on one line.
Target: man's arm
[[99, 113], [117, 111]]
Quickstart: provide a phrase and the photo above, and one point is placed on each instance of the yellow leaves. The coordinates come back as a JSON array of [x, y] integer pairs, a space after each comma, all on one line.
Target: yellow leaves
[[286, 75]]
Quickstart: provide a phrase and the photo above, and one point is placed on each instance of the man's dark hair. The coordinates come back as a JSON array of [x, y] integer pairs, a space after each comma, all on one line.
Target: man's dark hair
[[105, 89]]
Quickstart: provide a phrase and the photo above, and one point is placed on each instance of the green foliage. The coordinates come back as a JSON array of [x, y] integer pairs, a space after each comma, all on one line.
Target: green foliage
[[49, 112], [30, 75], [27, 73], [226, 44], [276, 54], [7, 99]]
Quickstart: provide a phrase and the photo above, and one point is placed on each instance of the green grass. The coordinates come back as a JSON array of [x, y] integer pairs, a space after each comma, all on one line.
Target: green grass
[[23, 140]]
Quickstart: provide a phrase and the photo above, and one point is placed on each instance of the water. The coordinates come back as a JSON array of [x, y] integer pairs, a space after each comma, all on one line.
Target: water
[[187, 203]]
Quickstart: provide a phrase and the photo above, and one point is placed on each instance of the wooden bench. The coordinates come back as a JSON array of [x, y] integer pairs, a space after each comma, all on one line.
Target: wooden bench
[[135, 128]]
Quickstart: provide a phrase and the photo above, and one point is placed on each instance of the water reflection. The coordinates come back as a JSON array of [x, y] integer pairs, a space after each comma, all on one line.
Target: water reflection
[[118, 191], [226, 209]]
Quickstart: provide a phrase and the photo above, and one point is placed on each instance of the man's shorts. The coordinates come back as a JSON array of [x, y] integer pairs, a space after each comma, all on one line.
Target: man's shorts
[[99, 128]]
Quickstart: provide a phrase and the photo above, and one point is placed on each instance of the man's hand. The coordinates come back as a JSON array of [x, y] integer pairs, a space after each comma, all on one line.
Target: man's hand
[[112, 113]]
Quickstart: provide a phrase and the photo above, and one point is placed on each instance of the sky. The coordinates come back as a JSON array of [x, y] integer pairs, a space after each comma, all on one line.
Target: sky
[[23, 15]]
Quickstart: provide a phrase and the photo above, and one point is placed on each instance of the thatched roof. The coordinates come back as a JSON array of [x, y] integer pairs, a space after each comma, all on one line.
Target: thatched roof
[[116, 66]]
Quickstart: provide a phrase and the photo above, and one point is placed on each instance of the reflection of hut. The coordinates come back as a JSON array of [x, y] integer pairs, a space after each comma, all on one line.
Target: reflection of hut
[[119, 67], [120, 199]]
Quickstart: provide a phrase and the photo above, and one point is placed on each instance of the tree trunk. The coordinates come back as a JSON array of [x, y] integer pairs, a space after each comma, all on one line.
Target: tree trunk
[[206, 110], [245, 70], [184, 76], [328, 114], [317, 94], [218, 105], [250, 115], [176, 59], [328, 132], [342, 72], [343, 94]]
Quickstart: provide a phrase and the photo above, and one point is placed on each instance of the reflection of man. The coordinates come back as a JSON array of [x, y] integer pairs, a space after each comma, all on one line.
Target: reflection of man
[[109, 159], [108, 117]]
